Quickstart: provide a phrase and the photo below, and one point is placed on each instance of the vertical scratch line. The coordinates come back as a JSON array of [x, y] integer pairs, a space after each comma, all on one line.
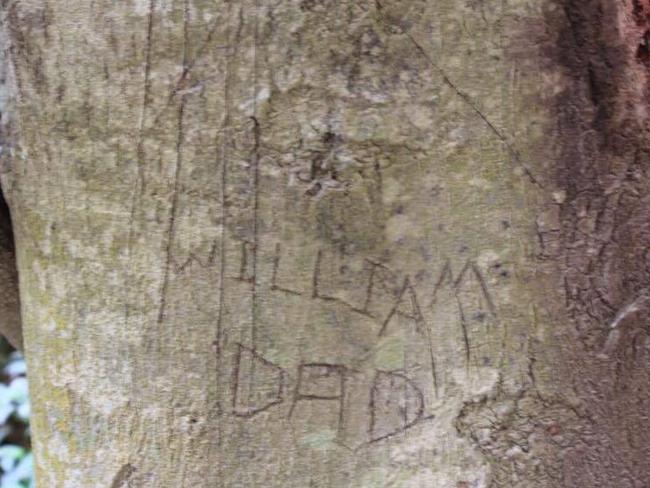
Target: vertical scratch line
[[171, 228], [256, 184], [147, 68], [224, 216], [484, 290], [256, 174], [222, 157], [139, 179], [146, 93], [222, 250], [434, 375], [463, 325], [177, 173]]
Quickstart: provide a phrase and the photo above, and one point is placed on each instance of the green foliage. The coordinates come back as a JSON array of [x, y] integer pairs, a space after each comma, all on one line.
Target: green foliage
[[16, 460]]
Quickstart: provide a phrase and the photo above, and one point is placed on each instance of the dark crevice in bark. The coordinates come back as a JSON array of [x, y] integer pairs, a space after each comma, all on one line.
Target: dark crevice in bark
[[10, 325], [123, 476], [6, 229]]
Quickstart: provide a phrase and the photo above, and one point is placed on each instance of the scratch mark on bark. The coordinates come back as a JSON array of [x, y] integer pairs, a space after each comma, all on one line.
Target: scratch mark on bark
[[315, 275], [223, 156], [256, 188], [146, 91], [463, 326], [224, 218], [274, 276], [191, 63], [479, 277], [171, 227], [194, 259], [470, 103], [434, 375], [255, 226], [139, 179], [180, 85]]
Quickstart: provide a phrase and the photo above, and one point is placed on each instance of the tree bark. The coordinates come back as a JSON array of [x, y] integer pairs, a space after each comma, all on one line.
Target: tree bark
[[10, 323], [332, 244]]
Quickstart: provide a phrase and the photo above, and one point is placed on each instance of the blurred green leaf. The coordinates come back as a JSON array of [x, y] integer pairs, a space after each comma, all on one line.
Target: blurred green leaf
[[21, 474], [16, 366], [9, 456], [16, 462]]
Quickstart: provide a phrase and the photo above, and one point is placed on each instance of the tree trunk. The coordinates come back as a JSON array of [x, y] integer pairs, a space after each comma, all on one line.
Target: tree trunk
[[333, 243]]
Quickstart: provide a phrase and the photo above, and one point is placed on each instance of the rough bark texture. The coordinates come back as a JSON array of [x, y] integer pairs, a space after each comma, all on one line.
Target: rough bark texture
[[603, 50], [333, 243]]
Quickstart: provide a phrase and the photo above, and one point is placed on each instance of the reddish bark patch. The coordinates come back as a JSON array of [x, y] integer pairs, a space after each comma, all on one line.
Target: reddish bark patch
[[603, 133]]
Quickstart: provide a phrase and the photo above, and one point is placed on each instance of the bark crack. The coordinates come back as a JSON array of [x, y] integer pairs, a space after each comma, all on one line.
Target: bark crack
[[171, 225], [514, 154]]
